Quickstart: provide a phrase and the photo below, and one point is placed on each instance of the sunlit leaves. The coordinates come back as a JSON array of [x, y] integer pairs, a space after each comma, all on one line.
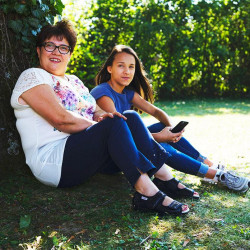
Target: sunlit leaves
[[58, 6], [187, 48]]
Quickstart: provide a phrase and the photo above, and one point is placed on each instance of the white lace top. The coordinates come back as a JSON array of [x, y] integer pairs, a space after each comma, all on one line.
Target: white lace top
[[43, 144]]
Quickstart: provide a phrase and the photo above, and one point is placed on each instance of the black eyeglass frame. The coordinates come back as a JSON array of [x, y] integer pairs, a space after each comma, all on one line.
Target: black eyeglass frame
[[56, 47]]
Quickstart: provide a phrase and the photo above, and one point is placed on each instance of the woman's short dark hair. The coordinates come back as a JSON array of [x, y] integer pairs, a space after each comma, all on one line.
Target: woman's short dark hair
[[62, 29]]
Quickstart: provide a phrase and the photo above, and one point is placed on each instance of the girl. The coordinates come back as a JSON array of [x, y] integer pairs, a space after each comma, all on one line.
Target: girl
[[122, 84]]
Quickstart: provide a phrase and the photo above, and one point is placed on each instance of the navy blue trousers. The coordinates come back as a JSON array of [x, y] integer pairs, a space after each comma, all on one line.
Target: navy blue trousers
[[111, 143]]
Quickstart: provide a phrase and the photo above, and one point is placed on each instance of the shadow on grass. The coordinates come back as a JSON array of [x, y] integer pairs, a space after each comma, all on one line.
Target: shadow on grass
[[98, 214], [89, 213]]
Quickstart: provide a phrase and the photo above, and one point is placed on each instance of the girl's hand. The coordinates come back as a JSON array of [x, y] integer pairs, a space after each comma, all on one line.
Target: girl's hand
[[111, 115], [167, 136], [176, 136]]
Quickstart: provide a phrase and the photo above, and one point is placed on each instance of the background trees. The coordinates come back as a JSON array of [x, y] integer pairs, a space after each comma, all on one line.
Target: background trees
[[189, 48]]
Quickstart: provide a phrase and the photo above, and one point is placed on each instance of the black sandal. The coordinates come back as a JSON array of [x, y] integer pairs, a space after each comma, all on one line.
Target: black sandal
[[154, 204], [171, 189]]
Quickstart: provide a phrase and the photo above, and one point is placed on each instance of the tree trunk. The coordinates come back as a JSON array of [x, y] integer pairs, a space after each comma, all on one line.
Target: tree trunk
[[12, 62]]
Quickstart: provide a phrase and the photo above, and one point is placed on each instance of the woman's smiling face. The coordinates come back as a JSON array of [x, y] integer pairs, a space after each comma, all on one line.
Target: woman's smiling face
[[54, 62]]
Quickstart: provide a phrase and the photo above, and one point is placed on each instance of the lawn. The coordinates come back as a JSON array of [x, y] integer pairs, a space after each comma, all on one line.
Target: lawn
[[98, 214]]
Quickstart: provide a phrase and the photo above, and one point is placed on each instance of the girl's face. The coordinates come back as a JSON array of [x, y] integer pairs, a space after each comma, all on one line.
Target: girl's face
[[122, 71], [54, 62]]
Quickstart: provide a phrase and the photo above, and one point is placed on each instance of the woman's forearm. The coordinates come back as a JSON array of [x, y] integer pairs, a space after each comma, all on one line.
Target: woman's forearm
[[44, 102], [72, 123]]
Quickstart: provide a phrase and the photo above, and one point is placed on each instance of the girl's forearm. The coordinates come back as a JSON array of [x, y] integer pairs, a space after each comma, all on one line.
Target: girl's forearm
[[158, 137], [162, 117]]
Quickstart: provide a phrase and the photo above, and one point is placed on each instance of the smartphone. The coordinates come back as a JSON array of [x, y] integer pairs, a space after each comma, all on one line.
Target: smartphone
[[179, 127]]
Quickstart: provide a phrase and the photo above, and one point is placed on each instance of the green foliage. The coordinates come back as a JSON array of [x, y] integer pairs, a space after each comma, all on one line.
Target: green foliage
[[28, 17], [24, 221], [188, 49]]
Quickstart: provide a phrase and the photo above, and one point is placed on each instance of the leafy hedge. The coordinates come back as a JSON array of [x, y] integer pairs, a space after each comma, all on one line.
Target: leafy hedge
[[189, 49]]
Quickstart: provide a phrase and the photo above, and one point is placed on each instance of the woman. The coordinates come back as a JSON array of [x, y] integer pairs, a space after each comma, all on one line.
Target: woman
[[121, 84], [67, 138]]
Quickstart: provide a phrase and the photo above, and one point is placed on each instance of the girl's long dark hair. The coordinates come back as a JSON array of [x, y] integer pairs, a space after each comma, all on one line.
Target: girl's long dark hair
[[140, 82]]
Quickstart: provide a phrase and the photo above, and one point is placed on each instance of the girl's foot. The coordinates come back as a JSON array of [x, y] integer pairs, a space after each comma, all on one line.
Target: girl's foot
[[233, 181], [218, 167], [215, 179]]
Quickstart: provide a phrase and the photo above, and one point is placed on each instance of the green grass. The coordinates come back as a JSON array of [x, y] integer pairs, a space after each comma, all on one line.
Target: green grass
[[98, 214]]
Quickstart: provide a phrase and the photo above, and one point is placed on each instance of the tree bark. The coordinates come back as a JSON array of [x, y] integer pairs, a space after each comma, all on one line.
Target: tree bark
[[12, 62]]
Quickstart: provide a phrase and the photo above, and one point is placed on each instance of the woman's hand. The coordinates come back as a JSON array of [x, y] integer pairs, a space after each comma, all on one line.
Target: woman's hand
[[100, 114], [166, 135], [111, 115], [109, 107]]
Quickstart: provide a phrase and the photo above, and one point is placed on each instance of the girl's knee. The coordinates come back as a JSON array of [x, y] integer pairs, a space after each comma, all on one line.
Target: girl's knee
[[109, 123], [133, 119], [116, 120]]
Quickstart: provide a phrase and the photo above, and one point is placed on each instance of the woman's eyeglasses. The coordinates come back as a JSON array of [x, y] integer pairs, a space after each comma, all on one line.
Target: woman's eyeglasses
[[50, 47]]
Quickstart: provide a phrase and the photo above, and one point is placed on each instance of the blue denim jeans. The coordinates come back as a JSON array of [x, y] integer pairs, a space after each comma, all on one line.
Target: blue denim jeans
[[184, 157], [110, 145]]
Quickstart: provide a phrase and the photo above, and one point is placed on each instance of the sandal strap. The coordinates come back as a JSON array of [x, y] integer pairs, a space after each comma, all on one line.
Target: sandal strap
[[171, 189], [187, 191], [170, 184], [174, 181], [175, 205], [144, 202], [155, 200], [154, 203]]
